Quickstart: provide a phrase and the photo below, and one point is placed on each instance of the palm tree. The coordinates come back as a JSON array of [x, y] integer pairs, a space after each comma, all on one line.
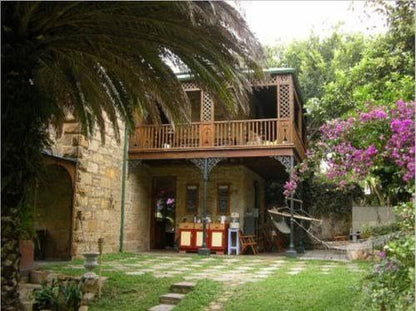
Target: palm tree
[[93, 59]]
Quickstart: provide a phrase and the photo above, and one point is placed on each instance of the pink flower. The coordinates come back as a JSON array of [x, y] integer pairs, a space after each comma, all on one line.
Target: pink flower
[[376, 114]]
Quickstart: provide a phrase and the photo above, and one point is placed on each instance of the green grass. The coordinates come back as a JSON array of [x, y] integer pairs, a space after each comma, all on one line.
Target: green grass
[[205, 292], [124, 292], [307, 290]]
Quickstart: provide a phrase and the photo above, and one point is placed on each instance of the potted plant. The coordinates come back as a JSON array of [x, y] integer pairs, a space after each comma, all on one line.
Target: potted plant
[[26, 235]]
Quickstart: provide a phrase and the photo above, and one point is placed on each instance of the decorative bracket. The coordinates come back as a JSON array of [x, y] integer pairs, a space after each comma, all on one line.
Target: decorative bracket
[[287, 161], [206, 165]]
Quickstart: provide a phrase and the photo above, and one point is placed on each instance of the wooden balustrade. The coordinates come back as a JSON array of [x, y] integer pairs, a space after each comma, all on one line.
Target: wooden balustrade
[[298, 142], [218, 134]]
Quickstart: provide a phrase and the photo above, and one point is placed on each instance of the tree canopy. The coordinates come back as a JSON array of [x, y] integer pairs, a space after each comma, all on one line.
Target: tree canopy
[[93, 57], [340, 74]]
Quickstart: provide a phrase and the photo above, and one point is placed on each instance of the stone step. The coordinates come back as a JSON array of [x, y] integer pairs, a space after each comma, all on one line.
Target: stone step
[[27, 305], [26, 290], [171, 298], [24, 278], [38, 276], [182, 287], [29, 286], [162, 307]]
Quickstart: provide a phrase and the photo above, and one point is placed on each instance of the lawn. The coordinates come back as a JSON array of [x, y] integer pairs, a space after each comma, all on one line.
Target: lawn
[[309, 290], [234, 283]]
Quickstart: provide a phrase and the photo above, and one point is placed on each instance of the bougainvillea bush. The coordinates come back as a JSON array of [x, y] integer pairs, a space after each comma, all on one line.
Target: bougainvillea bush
[[375, 147], [375, 144]]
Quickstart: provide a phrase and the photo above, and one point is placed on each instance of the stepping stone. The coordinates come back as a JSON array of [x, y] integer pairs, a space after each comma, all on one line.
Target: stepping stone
[[135, 273], [215, 307], [171, 298], [133, 265], [232, 260], [270, 268], [244, 268], [162, 307], [173, 272], [182, 287], [195, 265], [191, 277], [293, 272], [204, 275], [297, 269]]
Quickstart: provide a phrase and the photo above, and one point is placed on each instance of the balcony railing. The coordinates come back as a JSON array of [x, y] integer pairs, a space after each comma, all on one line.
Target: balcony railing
[[219, 134]]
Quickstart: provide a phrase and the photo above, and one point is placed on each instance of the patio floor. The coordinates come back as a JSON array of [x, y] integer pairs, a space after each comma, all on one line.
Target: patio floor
[[234, 270]]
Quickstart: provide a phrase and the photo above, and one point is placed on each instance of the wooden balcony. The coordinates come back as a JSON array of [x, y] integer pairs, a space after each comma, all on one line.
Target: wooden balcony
[[223, 138], [278, 130]]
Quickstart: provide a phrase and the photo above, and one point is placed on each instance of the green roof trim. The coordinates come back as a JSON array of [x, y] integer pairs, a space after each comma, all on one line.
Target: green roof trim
[[183, 76]]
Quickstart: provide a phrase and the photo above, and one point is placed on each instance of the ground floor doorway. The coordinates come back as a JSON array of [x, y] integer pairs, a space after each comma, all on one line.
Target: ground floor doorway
[[162, 234], [53, 214]]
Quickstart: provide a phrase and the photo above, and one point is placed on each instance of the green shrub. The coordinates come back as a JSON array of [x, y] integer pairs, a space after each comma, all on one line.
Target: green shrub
[[59, 296], [390, 286], [369, 231]]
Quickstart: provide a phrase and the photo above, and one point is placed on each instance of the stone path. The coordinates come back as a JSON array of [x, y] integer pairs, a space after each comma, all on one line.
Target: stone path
[[231, 270]]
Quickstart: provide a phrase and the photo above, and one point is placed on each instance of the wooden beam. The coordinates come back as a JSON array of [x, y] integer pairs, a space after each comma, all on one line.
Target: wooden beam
[[211, 153]]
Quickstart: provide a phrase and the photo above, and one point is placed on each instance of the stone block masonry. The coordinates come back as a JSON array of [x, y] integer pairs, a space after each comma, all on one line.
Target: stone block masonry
[[98, 193], [137, 209]]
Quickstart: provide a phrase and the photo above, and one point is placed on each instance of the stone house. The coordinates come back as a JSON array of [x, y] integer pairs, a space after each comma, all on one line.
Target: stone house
[[84, 194]]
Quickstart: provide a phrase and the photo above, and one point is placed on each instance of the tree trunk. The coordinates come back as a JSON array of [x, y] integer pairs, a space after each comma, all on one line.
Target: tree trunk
[[23, 138], [10, 260]]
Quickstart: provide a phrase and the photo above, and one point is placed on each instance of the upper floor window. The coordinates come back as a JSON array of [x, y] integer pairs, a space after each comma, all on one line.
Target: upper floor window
[[265, 102], [195, 99]]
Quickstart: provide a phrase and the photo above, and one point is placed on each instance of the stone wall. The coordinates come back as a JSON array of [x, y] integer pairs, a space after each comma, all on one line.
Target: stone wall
[[138, 207], [331, 226], [371, 216], [70, 141], [97, 192]]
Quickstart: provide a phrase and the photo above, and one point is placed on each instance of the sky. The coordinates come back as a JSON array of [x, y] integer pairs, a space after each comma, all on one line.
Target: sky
[[285, 21]]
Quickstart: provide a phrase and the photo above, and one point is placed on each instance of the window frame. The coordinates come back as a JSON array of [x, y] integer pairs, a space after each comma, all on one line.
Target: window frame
[[197, 197], [229, 199]]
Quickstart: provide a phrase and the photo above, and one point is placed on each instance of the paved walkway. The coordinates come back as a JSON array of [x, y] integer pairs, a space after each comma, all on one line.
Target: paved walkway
[[233, 270], [230, 270]]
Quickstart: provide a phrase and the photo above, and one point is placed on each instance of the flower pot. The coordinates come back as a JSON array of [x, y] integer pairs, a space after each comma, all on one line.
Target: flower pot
[[27, 252], [90, 263]]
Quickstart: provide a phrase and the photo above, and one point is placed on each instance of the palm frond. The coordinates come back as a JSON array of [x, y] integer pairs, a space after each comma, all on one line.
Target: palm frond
[[109, 60]]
